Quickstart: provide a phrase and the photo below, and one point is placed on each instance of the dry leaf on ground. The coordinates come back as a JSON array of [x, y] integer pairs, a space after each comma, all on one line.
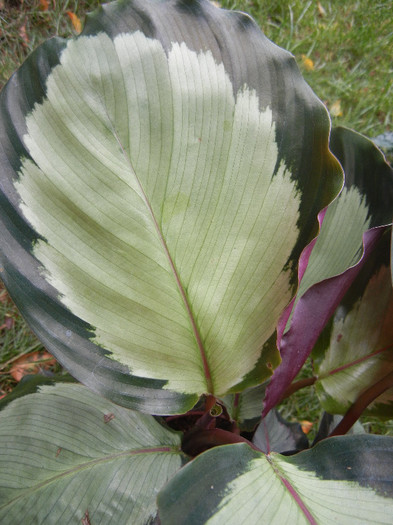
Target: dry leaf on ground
[[23, 34], [307, 63], [306, 426], [77, 24], [44, 5], [8, 323], [31, 364]]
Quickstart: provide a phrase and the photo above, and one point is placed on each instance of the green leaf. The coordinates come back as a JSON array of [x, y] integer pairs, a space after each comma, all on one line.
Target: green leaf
[[328, 424], [350, 228], [275, 434], [346, 480], [246, 408], [355, 351], [158, 191], [31, 383], [65, 452]]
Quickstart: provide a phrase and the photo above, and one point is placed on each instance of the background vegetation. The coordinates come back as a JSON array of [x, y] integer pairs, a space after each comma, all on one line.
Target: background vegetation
[[344, 50]]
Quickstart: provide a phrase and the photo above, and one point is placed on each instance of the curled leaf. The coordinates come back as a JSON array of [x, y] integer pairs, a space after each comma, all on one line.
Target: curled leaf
[[355, 351], [364, 205]]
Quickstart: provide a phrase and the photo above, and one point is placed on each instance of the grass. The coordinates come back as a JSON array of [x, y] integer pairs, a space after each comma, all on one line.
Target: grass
[[350, 47], [15, 340], [344, 50], [24, 24]]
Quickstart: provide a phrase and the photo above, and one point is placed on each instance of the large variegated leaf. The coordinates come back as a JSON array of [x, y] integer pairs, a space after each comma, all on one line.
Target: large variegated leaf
[[355, 351], [351, 227], [68, 456], [346, 480], [161, 174]]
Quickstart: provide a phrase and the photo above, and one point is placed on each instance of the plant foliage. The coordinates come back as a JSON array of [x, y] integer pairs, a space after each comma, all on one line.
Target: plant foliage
[[178, 231]]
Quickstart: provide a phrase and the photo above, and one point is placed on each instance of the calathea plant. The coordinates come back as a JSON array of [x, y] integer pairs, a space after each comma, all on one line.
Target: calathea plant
[[176, 230]]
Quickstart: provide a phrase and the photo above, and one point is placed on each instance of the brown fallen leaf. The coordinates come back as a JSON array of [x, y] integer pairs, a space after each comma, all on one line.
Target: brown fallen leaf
[[321, 10], [306, 426], [31, 364], [77, 24], [307, 63], [9, 322], [23, 34], [44, 5]]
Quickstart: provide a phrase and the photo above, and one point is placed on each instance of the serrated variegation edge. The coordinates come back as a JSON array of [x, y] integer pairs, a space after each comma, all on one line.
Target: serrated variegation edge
[[186, 374]]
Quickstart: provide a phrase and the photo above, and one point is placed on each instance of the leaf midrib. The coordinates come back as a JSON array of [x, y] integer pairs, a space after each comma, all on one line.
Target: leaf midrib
[[292, 491], [198, 339], [345, 366], [87, 465]]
